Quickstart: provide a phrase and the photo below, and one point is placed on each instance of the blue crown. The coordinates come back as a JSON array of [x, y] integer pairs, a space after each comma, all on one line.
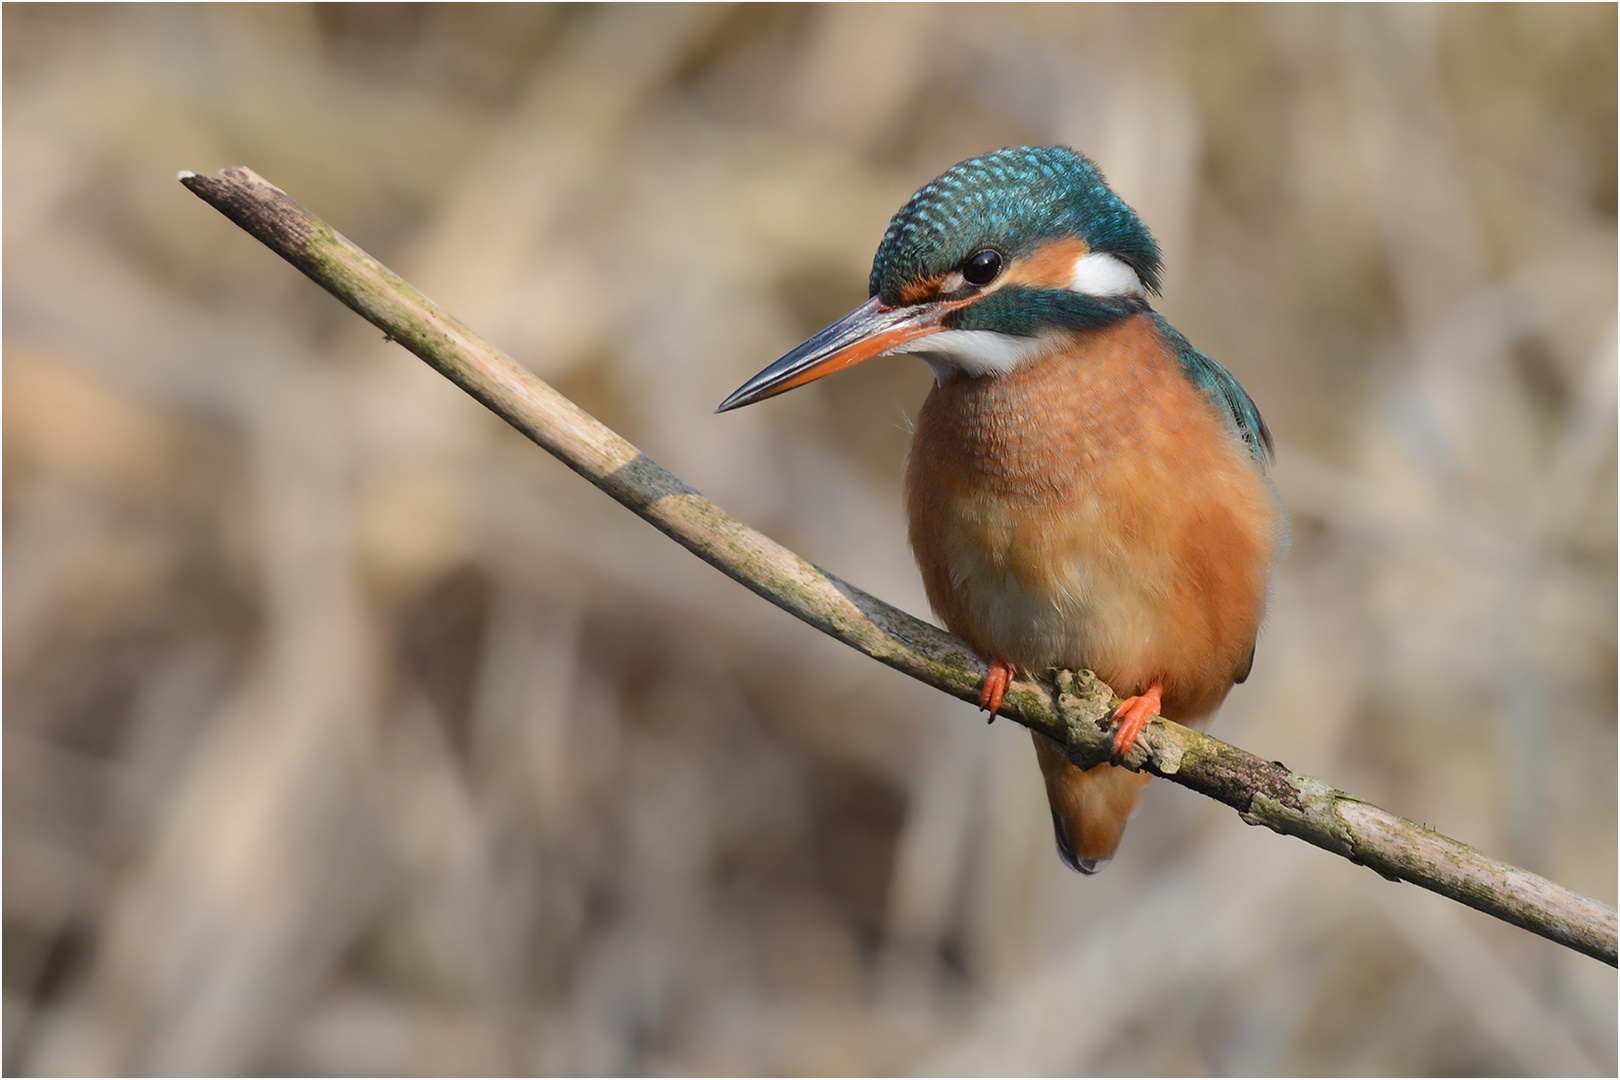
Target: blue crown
[[1010, 200]]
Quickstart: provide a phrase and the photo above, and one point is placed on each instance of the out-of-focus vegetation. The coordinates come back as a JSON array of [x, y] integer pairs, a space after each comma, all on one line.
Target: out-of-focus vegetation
[[345, 732]]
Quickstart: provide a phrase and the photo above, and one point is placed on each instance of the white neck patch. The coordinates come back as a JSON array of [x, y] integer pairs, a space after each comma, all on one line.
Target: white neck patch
[[972, 352], [1098, 273]]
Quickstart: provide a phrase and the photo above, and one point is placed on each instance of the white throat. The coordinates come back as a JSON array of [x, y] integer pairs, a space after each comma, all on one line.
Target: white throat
[[973, 352]]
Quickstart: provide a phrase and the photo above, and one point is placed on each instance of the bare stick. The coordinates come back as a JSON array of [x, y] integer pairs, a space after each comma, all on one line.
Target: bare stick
[[1072, 710]]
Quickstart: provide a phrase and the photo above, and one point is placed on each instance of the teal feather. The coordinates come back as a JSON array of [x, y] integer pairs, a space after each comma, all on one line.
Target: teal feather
[[1222, 389], [1026, 312], [1013, 201]]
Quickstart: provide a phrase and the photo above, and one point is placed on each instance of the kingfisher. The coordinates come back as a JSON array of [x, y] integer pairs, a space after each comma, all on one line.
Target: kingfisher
[[1084, 489]]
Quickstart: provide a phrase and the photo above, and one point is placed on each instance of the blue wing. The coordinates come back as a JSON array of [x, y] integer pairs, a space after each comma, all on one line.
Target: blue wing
[[1223, 390]]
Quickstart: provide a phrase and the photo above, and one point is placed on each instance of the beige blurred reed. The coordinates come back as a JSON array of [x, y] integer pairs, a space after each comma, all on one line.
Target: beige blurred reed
[[346, 733]]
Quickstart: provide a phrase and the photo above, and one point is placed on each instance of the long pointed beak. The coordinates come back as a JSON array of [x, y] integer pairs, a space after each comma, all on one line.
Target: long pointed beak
[[870, 330]]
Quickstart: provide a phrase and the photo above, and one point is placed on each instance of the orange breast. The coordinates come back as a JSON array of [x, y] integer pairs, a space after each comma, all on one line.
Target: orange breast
[[1093, 509]]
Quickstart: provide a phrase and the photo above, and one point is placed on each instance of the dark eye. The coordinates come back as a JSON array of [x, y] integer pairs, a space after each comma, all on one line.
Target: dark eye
[[982, 267]]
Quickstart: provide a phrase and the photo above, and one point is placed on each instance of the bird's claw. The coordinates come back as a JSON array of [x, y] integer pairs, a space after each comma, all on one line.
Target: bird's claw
[[995, 687], [1133, 714]]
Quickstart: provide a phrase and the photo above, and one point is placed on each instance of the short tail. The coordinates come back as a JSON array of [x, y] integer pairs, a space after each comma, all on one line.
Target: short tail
[[1089, 806]]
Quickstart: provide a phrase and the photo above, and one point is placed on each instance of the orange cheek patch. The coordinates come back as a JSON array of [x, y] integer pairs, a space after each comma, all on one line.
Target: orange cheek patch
[[1051, 266], [917, 291]]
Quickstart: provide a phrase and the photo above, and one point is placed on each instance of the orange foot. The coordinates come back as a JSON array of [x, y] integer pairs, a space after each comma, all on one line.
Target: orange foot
[[995, 686], [1133, 714]]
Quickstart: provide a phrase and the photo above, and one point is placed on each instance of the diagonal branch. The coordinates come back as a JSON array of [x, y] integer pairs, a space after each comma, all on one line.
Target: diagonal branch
[[1072, 710]]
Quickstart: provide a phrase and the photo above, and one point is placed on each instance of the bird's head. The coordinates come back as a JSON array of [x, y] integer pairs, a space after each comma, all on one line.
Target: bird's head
[[981, 267]]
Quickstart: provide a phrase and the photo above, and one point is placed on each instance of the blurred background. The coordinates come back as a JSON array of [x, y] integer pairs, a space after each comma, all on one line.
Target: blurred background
[[348, 733]]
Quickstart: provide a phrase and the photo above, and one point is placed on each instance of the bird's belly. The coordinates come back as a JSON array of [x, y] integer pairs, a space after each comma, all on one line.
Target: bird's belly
[[1056, 593], [1163, 590]]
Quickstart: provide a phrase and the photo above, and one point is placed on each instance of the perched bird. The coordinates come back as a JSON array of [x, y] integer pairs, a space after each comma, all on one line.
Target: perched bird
[[1084, 488]]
